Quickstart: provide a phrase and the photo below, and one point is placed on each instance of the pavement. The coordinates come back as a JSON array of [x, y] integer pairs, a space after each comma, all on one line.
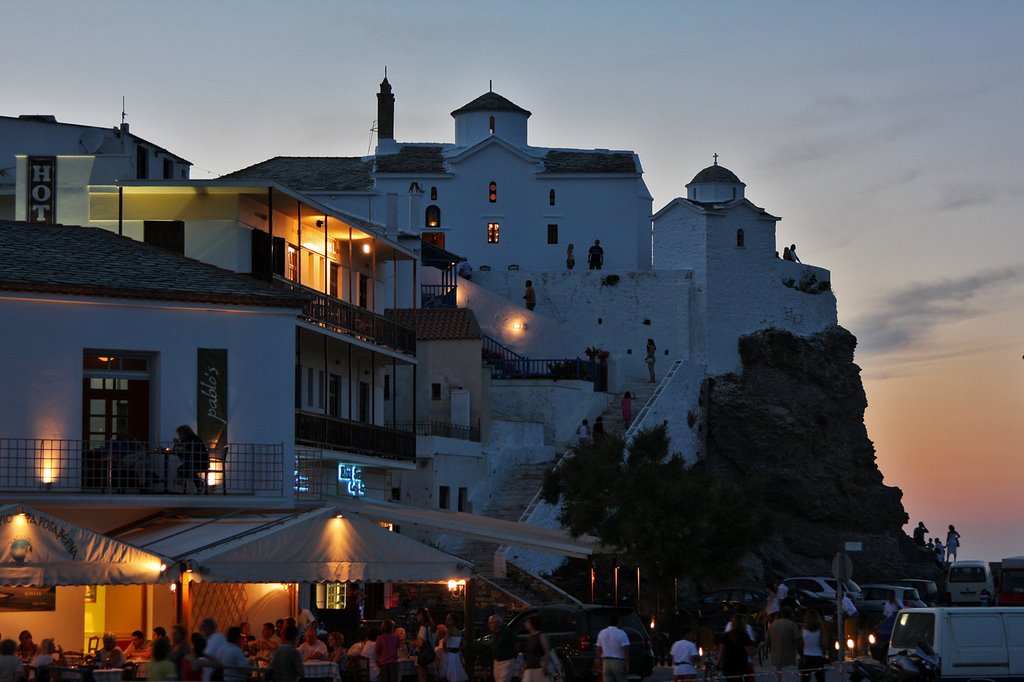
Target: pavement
[[762, 673]]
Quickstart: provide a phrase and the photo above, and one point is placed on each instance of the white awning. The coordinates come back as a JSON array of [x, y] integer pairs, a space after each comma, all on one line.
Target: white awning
[[42, 550], [474, 526], [308, 546]]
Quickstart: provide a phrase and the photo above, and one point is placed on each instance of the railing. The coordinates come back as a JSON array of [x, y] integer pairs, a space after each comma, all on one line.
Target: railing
[[351, 319], [438, 295], [493, 351], [641, 416], [442, 429], [343, 435], [44, 465], [527, 368], [308, 474]]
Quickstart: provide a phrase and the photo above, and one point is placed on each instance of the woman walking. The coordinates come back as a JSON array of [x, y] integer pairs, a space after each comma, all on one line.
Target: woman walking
[[814, 648], [535, 652], [627, 409]]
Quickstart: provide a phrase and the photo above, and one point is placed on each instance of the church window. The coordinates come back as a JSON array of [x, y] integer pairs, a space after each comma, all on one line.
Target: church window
[[433, 217], [733, 192], [551, 197], [493, 230], [492, 192], [552, 234], [490, 126], [740, 238], [433, 193]]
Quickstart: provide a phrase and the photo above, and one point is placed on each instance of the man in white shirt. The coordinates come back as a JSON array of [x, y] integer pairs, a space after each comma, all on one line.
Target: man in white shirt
[[892, 605], [312, 649], [684, 657], [232, 659], [214, 642], [613, 651]]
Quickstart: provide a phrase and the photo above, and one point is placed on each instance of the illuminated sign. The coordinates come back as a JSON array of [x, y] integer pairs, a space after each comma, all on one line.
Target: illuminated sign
[[351, 477], [42, 189]]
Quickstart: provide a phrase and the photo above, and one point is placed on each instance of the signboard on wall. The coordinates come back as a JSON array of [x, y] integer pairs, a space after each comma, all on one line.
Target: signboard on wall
[[28, 599], [212, 397], [42, 190]]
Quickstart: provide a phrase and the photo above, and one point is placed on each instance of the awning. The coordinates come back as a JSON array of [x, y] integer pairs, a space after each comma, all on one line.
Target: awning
[[42, 550], [308, 546], [474, 526]]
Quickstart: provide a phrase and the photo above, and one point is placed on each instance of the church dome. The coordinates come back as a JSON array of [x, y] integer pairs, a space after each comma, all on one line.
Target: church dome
[[715, 184], [490, 101], [715, 173], [488, 115]]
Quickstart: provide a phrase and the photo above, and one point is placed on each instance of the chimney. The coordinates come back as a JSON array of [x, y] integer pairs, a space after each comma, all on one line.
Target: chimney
[[391, 215], [385, 111]]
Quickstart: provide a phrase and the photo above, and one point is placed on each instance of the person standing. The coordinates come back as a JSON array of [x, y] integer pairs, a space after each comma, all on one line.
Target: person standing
[[651, 349], [286, 661], [387, 652], [813, 648], [940, 553], [785, 254], [613, 651], [503, 649], [570, 258], [735, 649], [452, 667], [684, 657], [530, 296], [892, 605], [535, 652], [214, 641], [231, 658], [583, 433], [952, 543], [627, 409], [598, 431], [595, 256], [792, 253], [424, 643], [784, 642]]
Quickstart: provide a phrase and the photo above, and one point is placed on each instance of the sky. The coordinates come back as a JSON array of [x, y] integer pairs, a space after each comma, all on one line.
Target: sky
[[886, 135]]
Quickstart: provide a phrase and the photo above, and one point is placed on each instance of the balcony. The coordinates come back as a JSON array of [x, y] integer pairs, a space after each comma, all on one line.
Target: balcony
[[343, 435], [60, 467], [352, 320], [442, 429]]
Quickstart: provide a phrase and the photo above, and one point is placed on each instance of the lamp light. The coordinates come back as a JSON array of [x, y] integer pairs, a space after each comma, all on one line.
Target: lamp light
[[366, 248], [456, 587]]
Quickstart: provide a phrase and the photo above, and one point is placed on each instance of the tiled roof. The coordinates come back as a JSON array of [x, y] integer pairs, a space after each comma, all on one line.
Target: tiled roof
[[89, 261], [490, 101], [715, 173], [438, 324], [570, 161], [311, 173], [412, 159]]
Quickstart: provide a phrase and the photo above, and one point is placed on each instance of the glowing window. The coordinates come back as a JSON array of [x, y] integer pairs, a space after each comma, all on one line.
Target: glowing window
[[493, 230], [551, 197], [492, 192], [433, 217], [433, 194], [490, 126]]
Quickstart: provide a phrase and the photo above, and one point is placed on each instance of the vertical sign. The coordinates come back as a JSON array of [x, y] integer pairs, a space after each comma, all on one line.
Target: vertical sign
[[212, 397], [42, 189]]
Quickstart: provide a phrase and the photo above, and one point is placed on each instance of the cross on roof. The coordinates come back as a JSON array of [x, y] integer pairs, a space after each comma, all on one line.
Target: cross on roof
[[716, 159]]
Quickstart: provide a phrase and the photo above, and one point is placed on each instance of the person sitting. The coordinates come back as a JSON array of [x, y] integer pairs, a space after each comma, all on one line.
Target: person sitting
[[264, 647], [138, 649], [336, 651], [312, 649], [195, 458], [27, 649], [161, 668], [11, 667], [109, 656], [42, 659]]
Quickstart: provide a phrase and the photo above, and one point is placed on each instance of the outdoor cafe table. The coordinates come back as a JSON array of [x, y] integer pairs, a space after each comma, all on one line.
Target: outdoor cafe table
[[321, 670]]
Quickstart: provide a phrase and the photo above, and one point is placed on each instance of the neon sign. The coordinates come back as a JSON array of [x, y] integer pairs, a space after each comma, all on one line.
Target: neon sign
[[351, 477]]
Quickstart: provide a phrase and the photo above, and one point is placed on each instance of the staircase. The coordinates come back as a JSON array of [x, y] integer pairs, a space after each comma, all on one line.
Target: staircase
[[516, 492]]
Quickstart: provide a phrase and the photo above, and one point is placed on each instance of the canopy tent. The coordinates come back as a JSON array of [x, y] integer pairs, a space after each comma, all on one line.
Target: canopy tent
[[308, 546], [37, 549], [475, 526]]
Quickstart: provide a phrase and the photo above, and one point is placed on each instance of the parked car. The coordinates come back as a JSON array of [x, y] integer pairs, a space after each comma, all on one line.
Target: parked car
[[714, 609], [572, 630], [823, 587], [875, 596], [969, 583], [927, 590]]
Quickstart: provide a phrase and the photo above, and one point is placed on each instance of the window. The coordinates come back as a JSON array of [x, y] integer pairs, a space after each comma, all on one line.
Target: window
[[492, 192], [444, 497], [115, 396], [433, 193], [334, 395], [551, 197], [291, 264], [435, 391], [552, 234], [463, 499], [387, 387], [433, 216], [168, 169], [490, 126], [315, 388], [740, 237], [166, 234], [493, 230], [435, 238], [141, 163]]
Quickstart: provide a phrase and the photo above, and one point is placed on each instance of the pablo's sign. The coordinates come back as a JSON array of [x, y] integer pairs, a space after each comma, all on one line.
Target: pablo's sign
[[212, 396], [42, 189]]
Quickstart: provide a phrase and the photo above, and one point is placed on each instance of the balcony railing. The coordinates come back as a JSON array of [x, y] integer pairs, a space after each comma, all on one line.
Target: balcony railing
[[442, 429], [438, 295], [343, 435], [138, 468], [558, 368], [351, 319]]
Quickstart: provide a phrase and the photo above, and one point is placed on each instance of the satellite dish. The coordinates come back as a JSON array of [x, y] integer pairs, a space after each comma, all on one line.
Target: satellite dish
[[91, 140]]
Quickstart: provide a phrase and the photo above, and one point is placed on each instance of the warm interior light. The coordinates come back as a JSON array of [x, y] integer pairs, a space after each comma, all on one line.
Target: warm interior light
[[871, 638], [849, 642], [652, 622], [339, 516], [366, 248], [837, 645], [700, 651], [174, 587], [452, 585], [163, 567]]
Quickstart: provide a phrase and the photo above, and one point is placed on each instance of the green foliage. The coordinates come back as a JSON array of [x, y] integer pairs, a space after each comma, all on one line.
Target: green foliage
[[645, 503]]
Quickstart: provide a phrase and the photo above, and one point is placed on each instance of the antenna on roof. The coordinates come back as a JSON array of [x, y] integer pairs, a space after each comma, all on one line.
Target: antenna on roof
[[373, 129], [122, 110]]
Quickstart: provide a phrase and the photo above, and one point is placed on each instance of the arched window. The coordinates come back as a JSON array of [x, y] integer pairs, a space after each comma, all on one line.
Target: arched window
[[433, 218], [433, 194], [740, 238], [490, 126], [492, 192], [551, 197]]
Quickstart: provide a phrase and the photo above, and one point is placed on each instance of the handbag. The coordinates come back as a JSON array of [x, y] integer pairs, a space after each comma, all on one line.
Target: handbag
[[426, 654]]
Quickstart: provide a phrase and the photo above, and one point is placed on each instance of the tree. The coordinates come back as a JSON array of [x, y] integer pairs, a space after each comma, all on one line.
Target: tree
[[645, 503]]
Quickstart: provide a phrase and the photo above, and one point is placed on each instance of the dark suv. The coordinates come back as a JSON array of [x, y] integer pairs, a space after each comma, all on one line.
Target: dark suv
[[572, 629]]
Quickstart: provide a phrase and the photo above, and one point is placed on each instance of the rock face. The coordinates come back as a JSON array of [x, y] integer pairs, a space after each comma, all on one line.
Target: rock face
[[793, 425]]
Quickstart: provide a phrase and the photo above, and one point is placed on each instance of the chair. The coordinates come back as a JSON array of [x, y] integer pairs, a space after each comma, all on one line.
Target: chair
[[358, 669], [94, 644]]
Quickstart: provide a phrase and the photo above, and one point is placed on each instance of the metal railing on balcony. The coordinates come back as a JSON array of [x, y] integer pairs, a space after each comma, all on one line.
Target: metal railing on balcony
[[442, 429], [343, 435], [350, 319], [557, 368], [44, 465], [438, 295]]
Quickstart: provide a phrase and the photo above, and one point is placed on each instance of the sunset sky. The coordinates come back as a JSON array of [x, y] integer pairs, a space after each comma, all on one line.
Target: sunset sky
[[886, 135]]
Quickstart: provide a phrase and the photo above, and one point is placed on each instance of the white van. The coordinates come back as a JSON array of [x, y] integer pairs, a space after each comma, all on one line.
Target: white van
[[972, 643], [969, 583]]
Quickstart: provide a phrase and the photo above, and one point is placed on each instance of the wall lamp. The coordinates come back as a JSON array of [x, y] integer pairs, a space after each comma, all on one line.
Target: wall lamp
[[457, 587]]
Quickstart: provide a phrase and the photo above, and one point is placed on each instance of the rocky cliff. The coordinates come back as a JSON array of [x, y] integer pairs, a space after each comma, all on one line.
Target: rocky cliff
[[792, 425]]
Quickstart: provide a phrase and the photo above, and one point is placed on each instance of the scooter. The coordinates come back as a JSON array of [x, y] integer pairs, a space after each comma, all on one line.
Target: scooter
[[919, 665]]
